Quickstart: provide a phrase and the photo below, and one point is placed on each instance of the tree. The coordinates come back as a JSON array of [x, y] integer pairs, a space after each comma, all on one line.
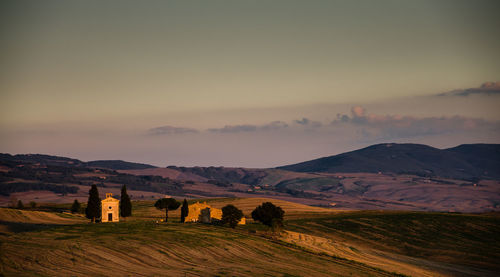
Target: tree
[[125, 204], [184, 210], [231, 215], [93, 209], [268, 214], [167, 204], [32, 204], [20, 204], [75, 207]]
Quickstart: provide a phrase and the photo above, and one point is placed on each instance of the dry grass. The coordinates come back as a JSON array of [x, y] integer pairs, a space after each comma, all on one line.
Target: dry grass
[[144, 248], [319, 242]]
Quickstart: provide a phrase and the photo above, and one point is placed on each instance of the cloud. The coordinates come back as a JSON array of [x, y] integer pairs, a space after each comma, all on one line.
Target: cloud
[[168, 130], [234, 129], [372, 126], [275, 125], [488, 88], [307, 122], [358, 111]]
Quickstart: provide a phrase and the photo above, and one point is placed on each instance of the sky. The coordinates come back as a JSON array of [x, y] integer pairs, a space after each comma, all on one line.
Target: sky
[[245, 83]]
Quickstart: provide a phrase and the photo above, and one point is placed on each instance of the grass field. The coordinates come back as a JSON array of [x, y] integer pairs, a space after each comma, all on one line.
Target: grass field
[[458, 239], [319, 242]]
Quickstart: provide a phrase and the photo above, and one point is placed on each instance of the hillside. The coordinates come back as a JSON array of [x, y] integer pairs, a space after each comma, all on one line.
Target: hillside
[[316, 242], [142, 247], [55, 179], [471, 161], [459, 243]]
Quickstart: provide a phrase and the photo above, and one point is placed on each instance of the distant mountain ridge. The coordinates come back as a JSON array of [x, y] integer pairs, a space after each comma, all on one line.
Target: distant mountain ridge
[[467, 161], [118, 165], [63, 161]]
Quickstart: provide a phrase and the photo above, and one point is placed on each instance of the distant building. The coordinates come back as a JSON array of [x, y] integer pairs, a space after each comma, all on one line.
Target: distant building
[[110, 209], [202, 212]]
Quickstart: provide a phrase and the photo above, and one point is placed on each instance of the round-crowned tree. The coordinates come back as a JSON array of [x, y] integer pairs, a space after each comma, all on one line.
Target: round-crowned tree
[[268, 214], [167, 204], [231, 215]]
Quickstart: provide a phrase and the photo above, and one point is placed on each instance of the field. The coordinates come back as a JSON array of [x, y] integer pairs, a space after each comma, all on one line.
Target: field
[[317, 242]]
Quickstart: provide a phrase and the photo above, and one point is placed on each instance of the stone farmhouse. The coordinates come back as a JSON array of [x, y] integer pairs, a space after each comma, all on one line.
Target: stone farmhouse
[[202, 212]]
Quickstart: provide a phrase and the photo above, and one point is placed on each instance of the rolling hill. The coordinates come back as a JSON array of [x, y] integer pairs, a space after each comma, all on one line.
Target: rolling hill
[[465, 178], [469, 161], [49, 241]]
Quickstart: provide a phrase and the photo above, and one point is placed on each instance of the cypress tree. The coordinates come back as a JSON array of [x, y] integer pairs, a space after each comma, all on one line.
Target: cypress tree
[[75, 207], [125, 204], [184, 211], [20, 204], [93, 209]]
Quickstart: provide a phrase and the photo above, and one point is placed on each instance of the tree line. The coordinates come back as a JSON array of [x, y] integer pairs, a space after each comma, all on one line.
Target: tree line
[[7, 188], [267, 213]]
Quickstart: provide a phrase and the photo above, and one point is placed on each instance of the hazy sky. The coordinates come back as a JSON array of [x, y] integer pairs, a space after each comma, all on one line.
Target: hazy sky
[[245, 83]]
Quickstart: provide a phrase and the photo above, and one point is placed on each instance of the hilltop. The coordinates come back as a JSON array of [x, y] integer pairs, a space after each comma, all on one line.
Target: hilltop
[[468, 161]]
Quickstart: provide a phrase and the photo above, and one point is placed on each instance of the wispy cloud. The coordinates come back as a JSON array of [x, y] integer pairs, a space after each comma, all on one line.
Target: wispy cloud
[[234, 129], [399, 126], [488, 88], [168, 130], [272, 126], [275, 125], [307, 122]]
